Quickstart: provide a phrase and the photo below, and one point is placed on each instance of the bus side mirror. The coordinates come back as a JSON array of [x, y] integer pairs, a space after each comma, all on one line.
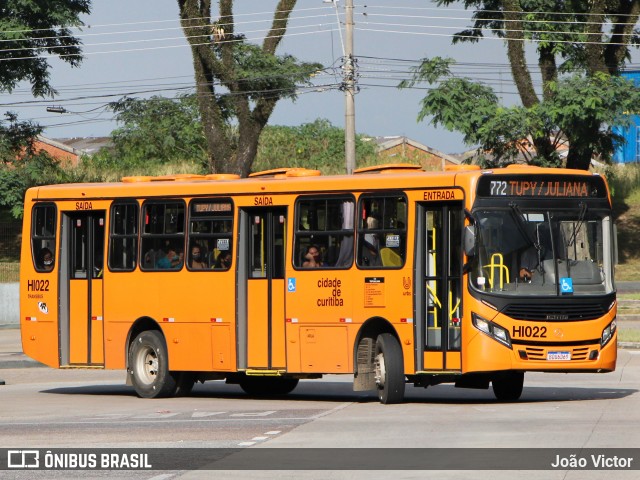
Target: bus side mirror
[[469, 239]]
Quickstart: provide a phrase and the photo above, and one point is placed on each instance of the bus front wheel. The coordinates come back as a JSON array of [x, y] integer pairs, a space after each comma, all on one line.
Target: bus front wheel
[[389, 369], [149, 366], [508, 386]]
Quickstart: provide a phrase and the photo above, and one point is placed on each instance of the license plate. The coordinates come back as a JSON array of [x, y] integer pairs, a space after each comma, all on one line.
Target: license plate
[[555, 356]]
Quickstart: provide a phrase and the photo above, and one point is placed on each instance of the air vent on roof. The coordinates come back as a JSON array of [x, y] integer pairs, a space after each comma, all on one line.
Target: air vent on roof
[[389, 167], [461, 168], [286, 172], [222, 176], [139, 178], [163, 178]]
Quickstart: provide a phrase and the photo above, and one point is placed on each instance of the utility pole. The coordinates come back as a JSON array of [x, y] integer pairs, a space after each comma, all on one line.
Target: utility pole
[[349, 91]]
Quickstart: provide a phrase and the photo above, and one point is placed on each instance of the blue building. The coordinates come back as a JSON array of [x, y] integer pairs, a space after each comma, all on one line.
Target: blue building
[[629, 152]]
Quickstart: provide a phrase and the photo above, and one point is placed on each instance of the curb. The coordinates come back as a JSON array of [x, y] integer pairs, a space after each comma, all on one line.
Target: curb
[[17, 360]]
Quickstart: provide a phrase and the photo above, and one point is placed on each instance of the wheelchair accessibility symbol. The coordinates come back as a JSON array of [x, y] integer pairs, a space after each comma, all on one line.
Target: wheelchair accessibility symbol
[[291, 285], [566, 285]]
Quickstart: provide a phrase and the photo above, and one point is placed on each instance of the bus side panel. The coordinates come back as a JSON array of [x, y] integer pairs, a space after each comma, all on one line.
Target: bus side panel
[[184, 304], [188, 345], [223, 360], [39, 314], [39, 341], [115, 336], [318, 309], [324, 349], [38, 301]]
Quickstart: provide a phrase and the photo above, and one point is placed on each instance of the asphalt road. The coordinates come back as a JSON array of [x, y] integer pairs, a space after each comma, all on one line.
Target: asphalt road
[[48, 408]]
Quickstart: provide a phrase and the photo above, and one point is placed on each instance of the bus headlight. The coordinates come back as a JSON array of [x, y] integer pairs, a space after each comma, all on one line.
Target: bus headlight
[[491, 329], [608, 332]]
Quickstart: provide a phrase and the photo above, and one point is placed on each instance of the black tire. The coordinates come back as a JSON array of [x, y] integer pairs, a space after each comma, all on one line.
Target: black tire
[[389, 369], [265, 386], [149, 366], [508, 386]]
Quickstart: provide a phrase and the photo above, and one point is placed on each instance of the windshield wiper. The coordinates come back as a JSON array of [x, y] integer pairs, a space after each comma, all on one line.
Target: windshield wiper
[[521, 223], [583, 213]]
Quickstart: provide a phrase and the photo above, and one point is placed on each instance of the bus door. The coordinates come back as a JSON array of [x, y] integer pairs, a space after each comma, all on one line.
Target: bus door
[[438, 277], [261, 309], [81, 293]]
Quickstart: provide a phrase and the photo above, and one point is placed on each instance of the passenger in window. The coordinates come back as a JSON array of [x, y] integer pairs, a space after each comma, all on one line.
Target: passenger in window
[[46, 260], [223, 261], [370, 249], [196, 260], [370, 252], [312, 257], [171, 260]]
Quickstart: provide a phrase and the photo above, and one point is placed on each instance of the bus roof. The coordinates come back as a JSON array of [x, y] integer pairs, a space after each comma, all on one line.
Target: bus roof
[[395, 177]]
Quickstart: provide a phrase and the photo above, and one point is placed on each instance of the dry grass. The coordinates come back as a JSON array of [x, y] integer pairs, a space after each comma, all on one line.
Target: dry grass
[[629, 335], [625, 186]]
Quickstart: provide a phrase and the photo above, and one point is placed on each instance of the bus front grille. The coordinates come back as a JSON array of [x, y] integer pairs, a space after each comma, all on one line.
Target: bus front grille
[[555, 313], [539, 353]]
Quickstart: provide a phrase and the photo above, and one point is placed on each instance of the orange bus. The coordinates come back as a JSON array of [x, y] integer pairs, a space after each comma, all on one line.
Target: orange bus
[[393, 275]]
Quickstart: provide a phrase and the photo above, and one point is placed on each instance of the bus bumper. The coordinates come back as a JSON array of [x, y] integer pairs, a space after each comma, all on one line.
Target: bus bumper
[[486, 354]]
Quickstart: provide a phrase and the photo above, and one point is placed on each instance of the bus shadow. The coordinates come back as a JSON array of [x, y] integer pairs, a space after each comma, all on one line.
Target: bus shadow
[[322, 391]]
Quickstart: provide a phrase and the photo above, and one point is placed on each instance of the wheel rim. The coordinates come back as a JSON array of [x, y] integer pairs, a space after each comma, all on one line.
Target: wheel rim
[[381, 373], [147, 362]]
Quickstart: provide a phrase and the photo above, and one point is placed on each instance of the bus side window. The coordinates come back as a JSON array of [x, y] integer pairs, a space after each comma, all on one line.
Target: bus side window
[[123, 244], [43, 237], [162, 242], [382, 231], [325, 223], [211, 228]]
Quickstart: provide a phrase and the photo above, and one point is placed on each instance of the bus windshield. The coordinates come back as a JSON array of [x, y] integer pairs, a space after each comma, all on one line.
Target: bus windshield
[[543, 251]]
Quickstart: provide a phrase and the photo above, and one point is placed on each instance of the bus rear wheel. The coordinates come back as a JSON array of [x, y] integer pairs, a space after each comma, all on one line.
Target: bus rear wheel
[[508, 386], [149, 366], [389, 369], [263, 386]]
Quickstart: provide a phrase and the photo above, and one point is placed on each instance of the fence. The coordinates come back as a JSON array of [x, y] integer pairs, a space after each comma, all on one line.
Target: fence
[[10, 239]]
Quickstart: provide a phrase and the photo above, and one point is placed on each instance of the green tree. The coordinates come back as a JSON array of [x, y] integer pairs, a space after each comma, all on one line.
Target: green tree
[[589, 39], [238, 80], [318, 145], [31, 28], [158, 130], [20, 166]]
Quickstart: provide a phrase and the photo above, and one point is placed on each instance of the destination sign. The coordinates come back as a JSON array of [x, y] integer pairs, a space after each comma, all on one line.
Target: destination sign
[[546, 186], [213, 207]]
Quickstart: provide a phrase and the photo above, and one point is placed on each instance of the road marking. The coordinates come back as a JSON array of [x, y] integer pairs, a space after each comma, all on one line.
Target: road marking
[[253, 414], [158, 415], [333, 410], [246, 444], [205, 414], [257, 439], [273, 432]]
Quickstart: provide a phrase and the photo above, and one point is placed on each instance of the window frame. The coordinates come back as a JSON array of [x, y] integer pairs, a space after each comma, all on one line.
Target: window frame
[[117, 236], [178, 238], [193, 236], [381, 231], [43, 238], [327, 233]]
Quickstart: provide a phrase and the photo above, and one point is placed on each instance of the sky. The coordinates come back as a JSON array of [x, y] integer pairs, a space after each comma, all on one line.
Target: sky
[[137, 49]]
